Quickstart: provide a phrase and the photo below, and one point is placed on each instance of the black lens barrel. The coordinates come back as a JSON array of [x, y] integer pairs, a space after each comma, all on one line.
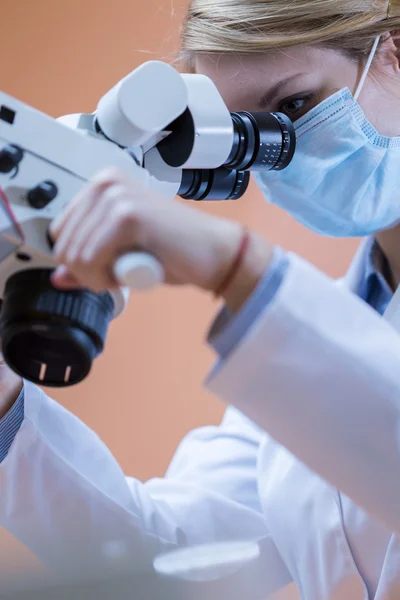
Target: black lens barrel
[[49, 336], [213, 184], [261, 142]]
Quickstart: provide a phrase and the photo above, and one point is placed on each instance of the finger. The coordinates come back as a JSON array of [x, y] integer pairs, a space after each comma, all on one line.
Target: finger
[[63, 217], [83, 205], [115, 234], [85, 200], [64, 227], [94, 270], [81, 278], [99, 183], [90, 224], [95, 265], [63, 279]]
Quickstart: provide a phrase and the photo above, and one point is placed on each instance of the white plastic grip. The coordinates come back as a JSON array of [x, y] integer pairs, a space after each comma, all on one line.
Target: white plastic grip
[[139, 271]]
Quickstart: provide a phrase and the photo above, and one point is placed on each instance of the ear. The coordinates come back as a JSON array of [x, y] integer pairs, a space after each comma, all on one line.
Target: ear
[[389, 52]]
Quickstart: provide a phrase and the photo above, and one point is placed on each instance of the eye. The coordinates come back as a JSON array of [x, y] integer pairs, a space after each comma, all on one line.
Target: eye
[[295, 107]]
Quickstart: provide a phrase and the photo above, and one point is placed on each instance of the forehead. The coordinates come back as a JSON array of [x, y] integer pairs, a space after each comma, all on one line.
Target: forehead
[[243, 77]]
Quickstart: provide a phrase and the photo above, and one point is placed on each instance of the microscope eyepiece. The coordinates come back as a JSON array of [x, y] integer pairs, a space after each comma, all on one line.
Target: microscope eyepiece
[[262, 142]]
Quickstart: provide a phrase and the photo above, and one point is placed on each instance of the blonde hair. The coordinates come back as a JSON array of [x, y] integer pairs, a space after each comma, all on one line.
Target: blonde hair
[[258, 26]]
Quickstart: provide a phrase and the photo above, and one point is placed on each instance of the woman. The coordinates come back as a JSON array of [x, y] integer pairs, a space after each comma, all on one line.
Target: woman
[[308, 461]]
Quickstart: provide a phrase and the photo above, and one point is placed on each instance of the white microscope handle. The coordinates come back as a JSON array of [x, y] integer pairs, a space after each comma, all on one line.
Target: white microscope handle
[[139, 271]]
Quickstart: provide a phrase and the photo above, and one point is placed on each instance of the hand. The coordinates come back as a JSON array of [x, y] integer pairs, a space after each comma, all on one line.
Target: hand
[[115, 214]]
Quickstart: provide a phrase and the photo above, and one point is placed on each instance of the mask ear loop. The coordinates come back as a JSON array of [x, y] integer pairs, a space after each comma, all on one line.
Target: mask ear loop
[[367, 67]]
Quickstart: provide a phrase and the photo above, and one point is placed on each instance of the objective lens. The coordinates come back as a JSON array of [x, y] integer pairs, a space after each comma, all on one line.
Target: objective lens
[[49, 336], [262, 142], [210, 184]]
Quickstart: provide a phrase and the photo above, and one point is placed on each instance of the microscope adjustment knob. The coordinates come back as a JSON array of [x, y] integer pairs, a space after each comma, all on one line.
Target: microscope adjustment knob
[[41, 195], [10, 157]]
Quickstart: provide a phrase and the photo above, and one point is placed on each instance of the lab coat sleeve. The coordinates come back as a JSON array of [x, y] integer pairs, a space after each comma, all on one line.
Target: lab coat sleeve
[[228, 328], [65, 497], [10, 425], [320, 372]]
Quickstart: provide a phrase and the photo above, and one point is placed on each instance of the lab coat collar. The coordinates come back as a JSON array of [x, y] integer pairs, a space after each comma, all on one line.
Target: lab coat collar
[[354, 277]]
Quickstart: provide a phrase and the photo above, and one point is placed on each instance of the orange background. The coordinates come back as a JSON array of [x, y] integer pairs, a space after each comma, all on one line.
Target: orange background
[[145, 392]]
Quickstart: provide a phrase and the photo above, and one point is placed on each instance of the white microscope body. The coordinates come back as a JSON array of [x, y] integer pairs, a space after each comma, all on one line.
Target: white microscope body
[[134, 114], [170, 132]]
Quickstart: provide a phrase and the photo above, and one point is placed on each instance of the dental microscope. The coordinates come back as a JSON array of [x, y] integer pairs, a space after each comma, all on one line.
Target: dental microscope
[[171, 132]]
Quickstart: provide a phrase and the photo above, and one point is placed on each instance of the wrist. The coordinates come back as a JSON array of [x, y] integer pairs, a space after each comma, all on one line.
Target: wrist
[[254, 263]]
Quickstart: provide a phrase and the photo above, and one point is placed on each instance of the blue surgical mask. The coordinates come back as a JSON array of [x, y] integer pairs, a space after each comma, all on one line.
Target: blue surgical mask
[[344, 178]]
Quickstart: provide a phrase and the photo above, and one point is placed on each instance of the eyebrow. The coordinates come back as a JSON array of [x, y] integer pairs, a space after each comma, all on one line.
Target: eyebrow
[[274, 92]]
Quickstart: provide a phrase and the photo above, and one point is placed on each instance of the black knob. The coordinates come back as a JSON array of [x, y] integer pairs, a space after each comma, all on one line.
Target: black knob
[[41, 195], [10, 157]]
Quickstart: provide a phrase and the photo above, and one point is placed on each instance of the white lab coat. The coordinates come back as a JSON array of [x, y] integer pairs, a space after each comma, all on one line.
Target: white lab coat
[[320, 372]]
